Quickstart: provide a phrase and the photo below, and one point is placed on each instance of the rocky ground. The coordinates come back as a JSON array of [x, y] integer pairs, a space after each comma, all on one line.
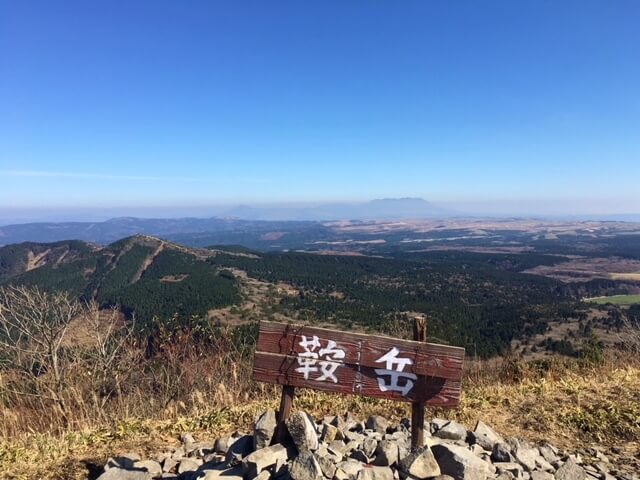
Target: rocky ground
[[346, 448]]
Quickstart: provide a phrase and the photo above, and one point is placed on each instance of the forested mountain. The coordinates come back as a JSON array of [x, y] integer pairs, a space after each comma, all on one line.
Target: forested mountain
[[477, 300], [144, 276]]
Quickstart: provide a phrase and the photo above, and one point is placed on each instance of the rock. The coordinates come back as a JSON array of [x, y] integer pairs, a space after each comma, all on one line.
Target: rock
[[369, 446], [505, 476], [541, 476], [501, 452], [337, 447], [221, 445], [151, 466], [352, 423], [510, 467], [348, 470], [169, 465], [543, 465], [420, 463], [436, 424], [239, 449], [452, 431], [263, 475], [460, 463], [305, 467], [386, 453], [548, 452], [329, 433], [375, 473], [233, 473], [125, 461], [377, 423], [485, 436], [526, 457], [327, 465], [116, 473], [570, 470], [213, 458], [264, 429], [302, 432], [360, 456], [189, 465], [265, 457]]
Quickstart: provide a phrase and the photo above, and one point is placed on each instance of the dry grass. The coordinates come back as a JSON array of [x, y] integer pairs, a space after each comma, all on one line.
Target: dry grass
[[569, 404]]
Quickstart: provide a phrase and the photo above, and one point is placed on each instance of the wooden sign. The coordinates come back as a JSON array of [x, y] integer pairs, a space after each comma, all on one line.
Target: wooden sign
[[369, 365]]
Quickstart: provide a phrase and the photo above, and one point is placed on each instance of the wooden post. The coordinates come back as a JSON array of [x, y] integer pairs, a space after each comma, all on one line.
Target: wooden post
[[417, 408], [286, 402]]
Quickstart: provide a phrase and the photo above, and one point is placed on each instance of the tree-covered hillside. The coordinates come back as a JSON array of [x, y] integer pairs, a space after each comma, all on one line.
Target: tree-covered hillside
[[481, 301], [145, 277]]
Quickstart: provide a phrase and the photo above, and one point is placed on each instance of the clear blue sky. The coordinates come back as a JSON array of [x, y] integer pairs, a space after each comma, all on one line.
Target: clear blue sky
[[516, 104]]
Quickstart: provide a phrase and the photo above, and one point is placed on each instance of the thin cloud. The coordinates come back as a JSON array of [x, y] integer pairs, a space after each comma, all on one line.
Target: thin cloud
[[96, 176]]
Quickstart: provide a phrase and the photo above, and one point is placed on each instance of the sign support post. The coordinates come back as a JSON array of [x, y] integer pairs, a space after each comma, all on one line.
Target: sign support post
[[286, 402], [417, 408]]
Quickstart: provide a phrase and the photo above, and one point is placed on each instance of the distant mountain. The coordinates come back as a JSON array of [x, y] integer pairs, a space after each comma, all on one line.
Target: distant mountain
[[381, 209], [251, 226]]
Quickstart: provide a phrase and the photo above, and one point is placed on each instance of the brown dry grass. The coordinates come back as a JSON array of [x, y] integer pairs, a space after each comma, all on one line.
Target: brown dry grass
[[570, 404]]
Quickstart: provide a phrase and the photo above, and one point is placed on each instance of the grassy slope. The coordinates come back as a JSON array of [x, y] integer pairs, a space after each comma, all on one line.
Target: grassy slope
[[622, 300], [572, 407]]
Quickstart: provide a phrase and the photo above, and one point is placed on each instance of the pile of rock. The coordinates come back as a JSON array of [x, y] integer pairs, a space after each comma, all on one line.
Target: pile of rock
[[346, 448]]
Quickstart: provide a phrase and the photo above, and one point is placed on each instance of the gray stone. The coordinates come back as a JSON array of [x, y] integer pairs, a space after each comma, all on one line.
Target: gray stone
[[302, 432], [543, 465], [437, 423], [169, 465], [263, 475], [221, 445], [337, 447], [329, 433], [570, 470], [386, 453], [375, 473], [501, 452], [265, 457], [327, 465], [348, 470], [452, 431], [240, 448], [512, 467], [420, 463], [460, 463], [506, 476], [125, 461], [541, 476], [526, 457], [233, 473], [352, 423], [369, 446], [548, 453], [487, 434], [305, 467], [360, 456], [214, 458], [151, 466], [377, 423], [189, 465], [264, 429], [116, 473]]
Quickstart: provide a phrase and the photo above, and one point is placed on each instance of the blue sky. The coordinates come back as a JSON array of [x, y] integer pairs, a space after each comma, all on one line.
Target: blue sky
[[501, 106]]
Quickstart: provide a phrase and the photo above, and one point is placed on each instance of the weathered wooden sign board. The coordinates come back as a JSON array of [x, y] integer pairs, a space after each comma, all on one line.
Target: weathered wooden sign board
[[369, 365]]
